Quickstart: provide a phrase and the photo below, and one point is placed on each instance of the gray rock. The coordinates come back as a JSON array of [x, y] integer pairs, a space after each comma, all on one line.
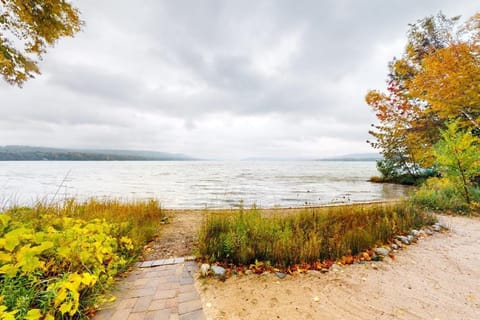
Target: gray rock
[[437, 228], [410, 238], [415, 233], [280, 275], [204, 269], [335, 267], [428, 231], [394, 246], [403, 239], [218, 272], [382, 251], [374, 257]]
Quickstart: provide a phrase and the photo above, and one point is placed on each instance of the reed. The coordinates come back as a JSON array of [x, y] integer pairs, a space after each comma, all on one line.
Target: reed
[[315, 234], [139, 220]]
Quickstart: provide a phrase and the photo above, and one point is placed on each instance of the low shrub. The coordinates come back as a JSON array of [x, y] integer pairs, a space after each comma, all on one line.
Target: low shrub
[[58, 261], [441, 194], [316, 234]]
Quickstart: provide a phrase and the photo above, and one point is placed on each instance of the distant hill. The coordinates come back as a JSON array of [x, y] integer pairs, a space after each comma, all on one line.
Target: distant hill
[[355, 157], [28, 153]]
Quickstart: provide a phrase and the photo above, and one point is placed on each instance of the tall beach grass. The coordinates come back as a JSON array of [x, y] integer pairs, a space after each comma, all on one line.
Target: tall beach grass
[[315, 234]]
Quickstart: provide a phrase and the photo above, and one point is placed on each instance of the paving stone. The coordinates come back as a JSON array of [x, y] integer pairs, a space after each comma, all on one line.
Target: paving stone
[[190, 306], [188, 296], [173, 278], [195, 315], [178, 260], [146, 264], [157, 263], [141, 292], [161, 289], [140, 282], [186, 280], [136, 316], [187, 288], [157, 315], [169, 261], [121, 314], [157, 304], [105, 314], [172, 304], [142, 304], [126, 303], [165, 294]]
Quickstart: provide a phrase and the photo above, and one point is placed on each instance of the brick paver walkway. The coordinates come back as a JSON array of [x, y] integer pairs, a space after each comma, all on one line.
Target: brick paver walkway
[[162, 289]]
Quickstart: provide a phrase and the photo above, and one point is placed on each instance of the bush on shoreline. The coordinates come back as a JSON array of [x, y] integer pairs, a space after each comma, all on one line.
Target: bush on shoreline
[[57, 261], [316, 234]]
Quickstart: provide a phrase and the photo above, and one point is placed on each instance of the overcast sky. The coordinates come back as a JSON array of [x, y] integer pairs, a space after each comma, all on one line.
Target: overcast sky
[[216, 79]]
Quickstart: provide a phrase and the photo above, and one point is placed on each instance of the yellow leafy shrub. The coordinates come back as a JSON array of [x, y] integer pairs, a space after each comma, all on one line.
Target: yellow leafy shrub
[[51, 265]]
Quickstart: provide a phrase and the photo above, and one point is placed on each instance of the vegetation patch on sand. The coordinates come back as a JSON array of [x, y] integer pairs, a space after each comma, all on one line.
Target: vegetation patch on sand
[[313, 235], [57, 261]]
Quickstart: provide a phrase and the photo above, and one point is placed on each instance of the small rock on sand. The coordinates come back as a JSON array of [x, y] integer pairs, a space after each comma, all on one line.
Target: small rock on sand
[[204, 269], [335, 267], [382, 251], [218, 272]]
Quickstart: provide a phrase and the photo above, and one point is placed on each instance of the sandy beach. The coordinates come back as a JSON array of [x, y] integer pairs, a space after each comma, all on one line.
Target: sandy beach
[[437, 278]]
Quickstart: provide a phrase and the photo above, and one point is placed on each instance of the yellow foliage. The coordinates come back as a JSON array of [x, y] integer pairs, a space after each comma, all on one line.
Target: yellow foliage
[[72, 254]]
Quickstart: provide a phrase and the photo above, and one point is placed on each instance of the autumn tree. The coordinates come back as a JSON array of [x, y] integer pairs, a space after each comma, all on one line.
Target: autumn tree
[[437, 78], [457, 154], [27, 28]]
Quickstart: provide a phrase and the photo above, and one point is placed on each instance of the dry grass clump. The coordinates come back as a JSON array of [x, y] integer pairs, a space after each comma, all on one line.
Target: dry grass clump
[[315, 234]]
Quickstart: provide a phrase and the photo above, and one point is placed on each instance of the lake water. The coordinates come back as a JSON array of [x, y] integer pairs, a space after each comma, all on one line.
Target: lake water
[[196, 184]]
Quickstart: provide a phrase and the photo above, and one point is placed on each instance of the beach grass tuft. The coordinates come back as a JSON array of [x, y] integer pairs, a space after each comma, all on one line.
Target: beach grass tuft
[[315, 234]]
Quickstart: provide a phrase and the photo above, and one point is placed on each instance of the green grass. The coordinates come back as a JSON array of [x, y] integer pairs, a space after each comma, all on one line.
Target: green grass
[[315, 234]]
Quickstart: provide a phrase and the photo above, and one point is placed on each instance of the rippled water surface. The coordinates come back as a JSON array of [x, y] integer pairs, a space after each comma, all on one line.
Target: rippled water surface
[[196, 184]]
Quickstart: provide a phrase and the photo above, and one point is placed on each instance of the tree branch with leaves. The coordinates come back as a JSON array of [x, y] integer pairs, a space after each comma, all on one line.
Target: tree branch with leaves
[[27, 28]]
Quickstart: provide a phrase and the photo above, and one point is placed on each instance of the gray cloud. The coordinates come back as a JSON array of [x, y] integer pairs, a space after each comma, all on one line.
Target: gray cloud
[[216, 78]]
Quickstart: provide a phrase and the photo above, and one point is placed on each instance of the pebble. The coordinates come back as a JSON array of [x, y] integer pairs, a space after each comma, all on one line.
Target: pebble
[[382, 251], [376, 258], [428, 231], [335, 267], [204, 269], [415, 233], [248, 272], [437, 228], [410, 238], [280, 275], [403, 239], [218, 272], [324, 270], [394, 246], [374, 266]]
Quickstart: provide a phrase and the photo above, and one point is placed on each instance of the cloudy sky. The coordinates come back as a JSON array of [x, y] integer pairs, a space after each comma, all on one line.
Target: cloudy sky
[[216, 79]]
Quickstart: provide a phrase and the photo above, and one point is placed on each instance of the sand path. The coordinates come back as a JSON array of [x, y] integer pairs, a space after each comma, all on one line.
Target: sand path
[[438, 278]]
